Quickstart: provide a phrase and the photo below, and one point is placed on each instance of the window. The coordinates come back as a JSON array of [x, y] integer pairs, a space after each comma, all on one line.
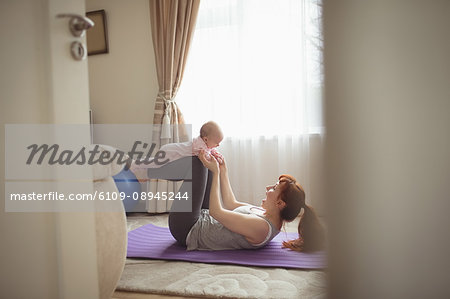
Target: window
[[255, 67]]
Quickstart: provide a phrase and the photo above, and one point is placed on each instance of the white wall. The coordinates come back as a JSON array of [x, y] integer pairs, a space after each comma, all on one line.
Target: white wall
[[123, 83], [387, 70]]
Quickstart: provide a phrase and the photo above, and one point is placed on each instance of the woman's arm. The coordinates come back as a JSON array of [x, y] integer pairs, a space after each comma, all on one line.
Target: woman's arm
[[228, 198], [254, 228]]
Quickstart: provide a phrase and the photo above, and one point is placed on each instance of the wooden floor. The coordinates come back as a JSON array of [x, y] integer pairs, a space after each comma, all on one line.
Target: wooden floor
[[129, 295]]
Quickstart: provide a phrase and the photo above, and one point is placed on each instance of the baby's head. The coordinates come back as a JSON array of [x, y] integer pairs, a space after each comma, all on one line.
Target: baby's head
[[211, 134]]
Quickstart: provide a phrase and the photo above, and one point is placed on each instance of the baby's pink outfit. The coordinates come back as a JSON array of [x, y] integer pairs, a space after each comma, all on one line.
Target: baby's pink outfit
[[175, 151]]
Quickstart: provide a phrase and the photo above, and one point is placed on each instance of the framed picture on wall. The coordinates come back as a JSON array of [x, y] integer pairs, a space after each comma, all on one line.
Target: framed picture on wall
[[97, 36]]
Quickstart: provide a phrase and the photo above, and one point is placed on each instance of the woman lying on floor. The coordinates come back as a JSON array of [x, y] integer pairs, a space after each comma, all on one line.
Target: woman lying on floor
[[237, 225]]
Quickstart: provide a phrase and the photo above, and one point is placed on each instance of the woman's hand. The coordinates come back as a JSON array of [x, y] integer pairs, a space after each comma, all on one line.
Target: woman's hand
[[218, 156], [222, 164], [209, 161]]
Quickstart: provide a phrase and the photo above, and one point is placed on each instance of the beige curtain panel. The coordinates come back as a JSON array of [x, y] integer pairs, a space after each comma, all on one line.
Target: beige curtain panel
[[172, 24]]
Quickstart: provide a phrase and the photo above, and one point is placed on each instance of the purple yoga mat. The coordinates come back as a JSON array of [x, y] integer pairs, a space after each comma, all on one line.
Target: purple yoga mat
[[150, 241]]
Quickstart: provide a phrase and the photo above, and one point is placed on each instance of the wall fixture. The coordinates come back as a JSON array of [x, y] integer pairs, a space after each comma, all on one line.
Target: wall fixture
[[97, 38]]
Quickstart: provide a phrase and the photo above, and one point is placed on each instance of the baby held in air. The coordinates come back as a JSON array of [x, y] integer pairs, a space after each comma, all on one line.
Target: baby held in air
[[210, 137]]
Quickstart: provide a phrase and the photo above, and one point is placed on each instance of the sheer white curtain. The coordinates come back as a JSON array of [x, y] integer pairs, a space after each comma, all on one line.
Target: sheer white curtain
[[255, 68]]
